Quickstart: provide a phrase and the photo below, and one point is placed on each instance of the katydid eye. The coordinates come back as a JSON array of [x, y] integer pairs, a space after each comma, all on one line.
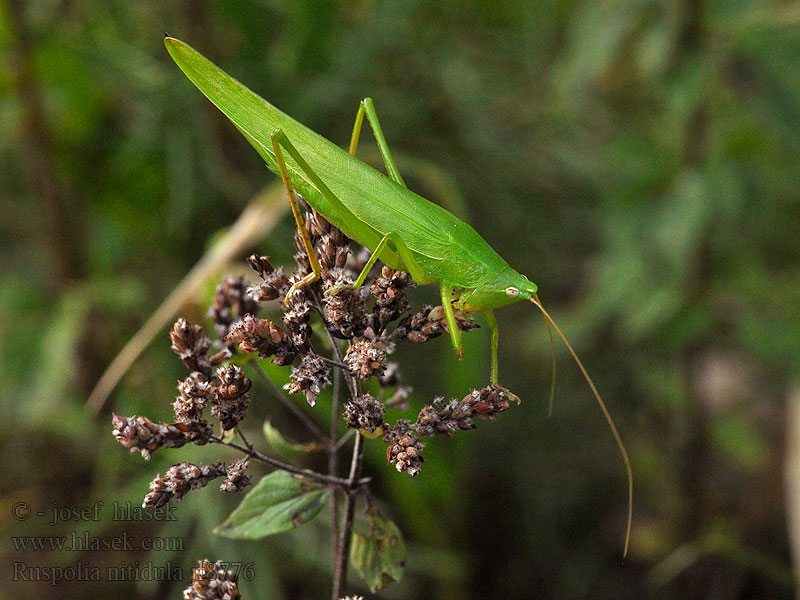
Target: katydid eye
[[512, 292]]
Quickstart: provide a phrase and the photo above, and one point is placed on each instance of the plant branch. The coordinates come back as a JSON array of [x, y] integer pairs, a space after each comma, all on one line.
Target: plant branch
[[348, 484], [333, 464], [333, 363], [343, 440], [289, 405]]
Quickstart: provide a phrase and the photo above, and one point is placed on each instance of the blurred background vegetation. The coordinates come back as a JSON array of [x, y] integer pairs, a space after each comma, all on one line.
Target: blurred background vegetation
[[639, 160]]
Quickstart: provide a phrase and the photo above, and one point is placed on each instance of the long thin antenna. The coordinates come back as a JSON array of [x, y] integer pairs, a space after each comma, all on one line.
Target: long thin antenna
[[553, 375], [606, 414]]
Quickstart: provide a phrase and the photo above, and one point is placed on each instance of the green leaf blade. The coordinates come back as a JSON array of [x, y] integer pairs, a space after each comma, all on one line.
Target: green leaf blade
[[278, 503], [380, 556]]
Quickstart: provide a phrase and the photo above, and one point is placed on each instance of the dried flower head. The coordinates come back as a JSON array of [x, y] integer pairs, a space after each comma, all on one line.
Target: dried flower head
[[365, 358], [194, 395], [236, 478], [487, 402], [192, 346], [274, 283], [429, 323], [179, 480], [398, 400], [405, 448], [212, 582], [389, 290], [231, 300], [444, 418], [311, 376], [364, 412], [259, 335], [140, 434], [230, 399], [346, 311], [296, 321]]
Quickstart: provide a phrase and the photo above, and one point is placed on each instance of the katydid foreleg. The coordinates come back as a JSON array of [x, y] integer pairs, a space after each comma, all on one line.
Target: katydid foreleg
[[492, 322], [364, 272], [446, 292]]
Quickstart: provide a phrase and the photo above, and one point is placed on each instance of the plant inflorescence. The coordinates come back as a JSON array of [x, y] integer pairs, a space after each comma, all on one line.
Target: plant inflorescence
[[357, 333]]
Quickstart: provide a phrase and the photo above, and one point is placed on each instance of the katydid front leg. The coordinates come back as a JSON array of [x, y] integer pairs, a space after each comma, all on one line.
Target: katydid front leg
[[446, 292], [364, 272], [492, 322]]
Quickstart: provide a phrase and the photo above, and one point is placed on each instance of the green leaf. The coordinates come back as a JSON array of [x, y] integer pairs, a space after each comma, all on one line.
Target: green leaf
[[380, 556], [278, 503], [283, 446]]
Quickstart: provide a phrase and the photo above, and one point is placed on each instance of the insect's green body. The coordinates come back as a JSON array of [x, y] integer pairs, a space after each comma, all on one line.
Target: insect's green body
[[401, 228], [446, 249]]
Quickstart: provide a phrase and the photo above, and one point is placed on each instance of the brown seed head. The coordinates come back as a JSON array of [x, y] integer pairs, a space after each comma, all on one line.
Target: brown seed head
[[212, 582], [275, 283], [140, 434], [236, 478], [230, 398], [365, 358], [405, 448], [191, 345], [179, 480], [231, 300], [390, 296], [364, 412], [487, 402], [444, 418], [311, 376]]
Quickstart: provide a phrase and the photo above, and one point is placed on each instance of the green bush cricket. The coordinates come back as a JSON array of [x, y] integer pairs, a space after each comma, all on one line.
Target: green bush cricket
[[402, 229]]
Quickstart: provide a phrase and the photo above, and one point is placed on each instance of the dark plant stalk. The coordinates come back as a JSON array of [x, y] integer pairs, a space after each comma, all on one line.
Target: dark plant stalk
[[340, 573], [344, 439], [341, 543], [333, 363], [333, 464]]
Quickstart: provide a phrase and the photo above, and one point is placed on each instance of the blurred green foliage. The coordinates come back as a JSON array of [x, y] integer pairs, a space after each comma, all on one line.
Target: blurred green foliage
[[639, 160]]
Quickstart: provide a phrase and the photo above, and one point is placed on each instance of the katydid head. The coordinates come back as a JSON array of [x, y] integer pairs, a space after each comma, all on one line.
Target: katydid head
[[505, 288]]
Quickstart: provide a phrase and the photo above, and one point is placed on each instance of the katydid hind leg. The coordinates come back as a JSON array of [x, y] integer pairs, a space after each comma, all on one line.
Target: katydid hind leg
[[367, 108], [277, 139], [606, 414], [340, 212]]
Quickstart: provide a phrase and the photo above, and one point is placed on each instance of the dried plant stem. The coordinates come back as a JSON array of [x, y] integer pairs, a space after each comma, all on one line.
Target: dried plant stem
[[344, 439], [340, 572], [289, 405], [348, 484], [333, 464], [333, 363]]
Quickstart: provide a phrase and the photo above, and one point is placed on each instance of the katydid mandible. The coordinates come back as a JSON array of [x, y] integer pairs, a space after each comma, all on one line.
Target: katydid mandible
[[400, 228]]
